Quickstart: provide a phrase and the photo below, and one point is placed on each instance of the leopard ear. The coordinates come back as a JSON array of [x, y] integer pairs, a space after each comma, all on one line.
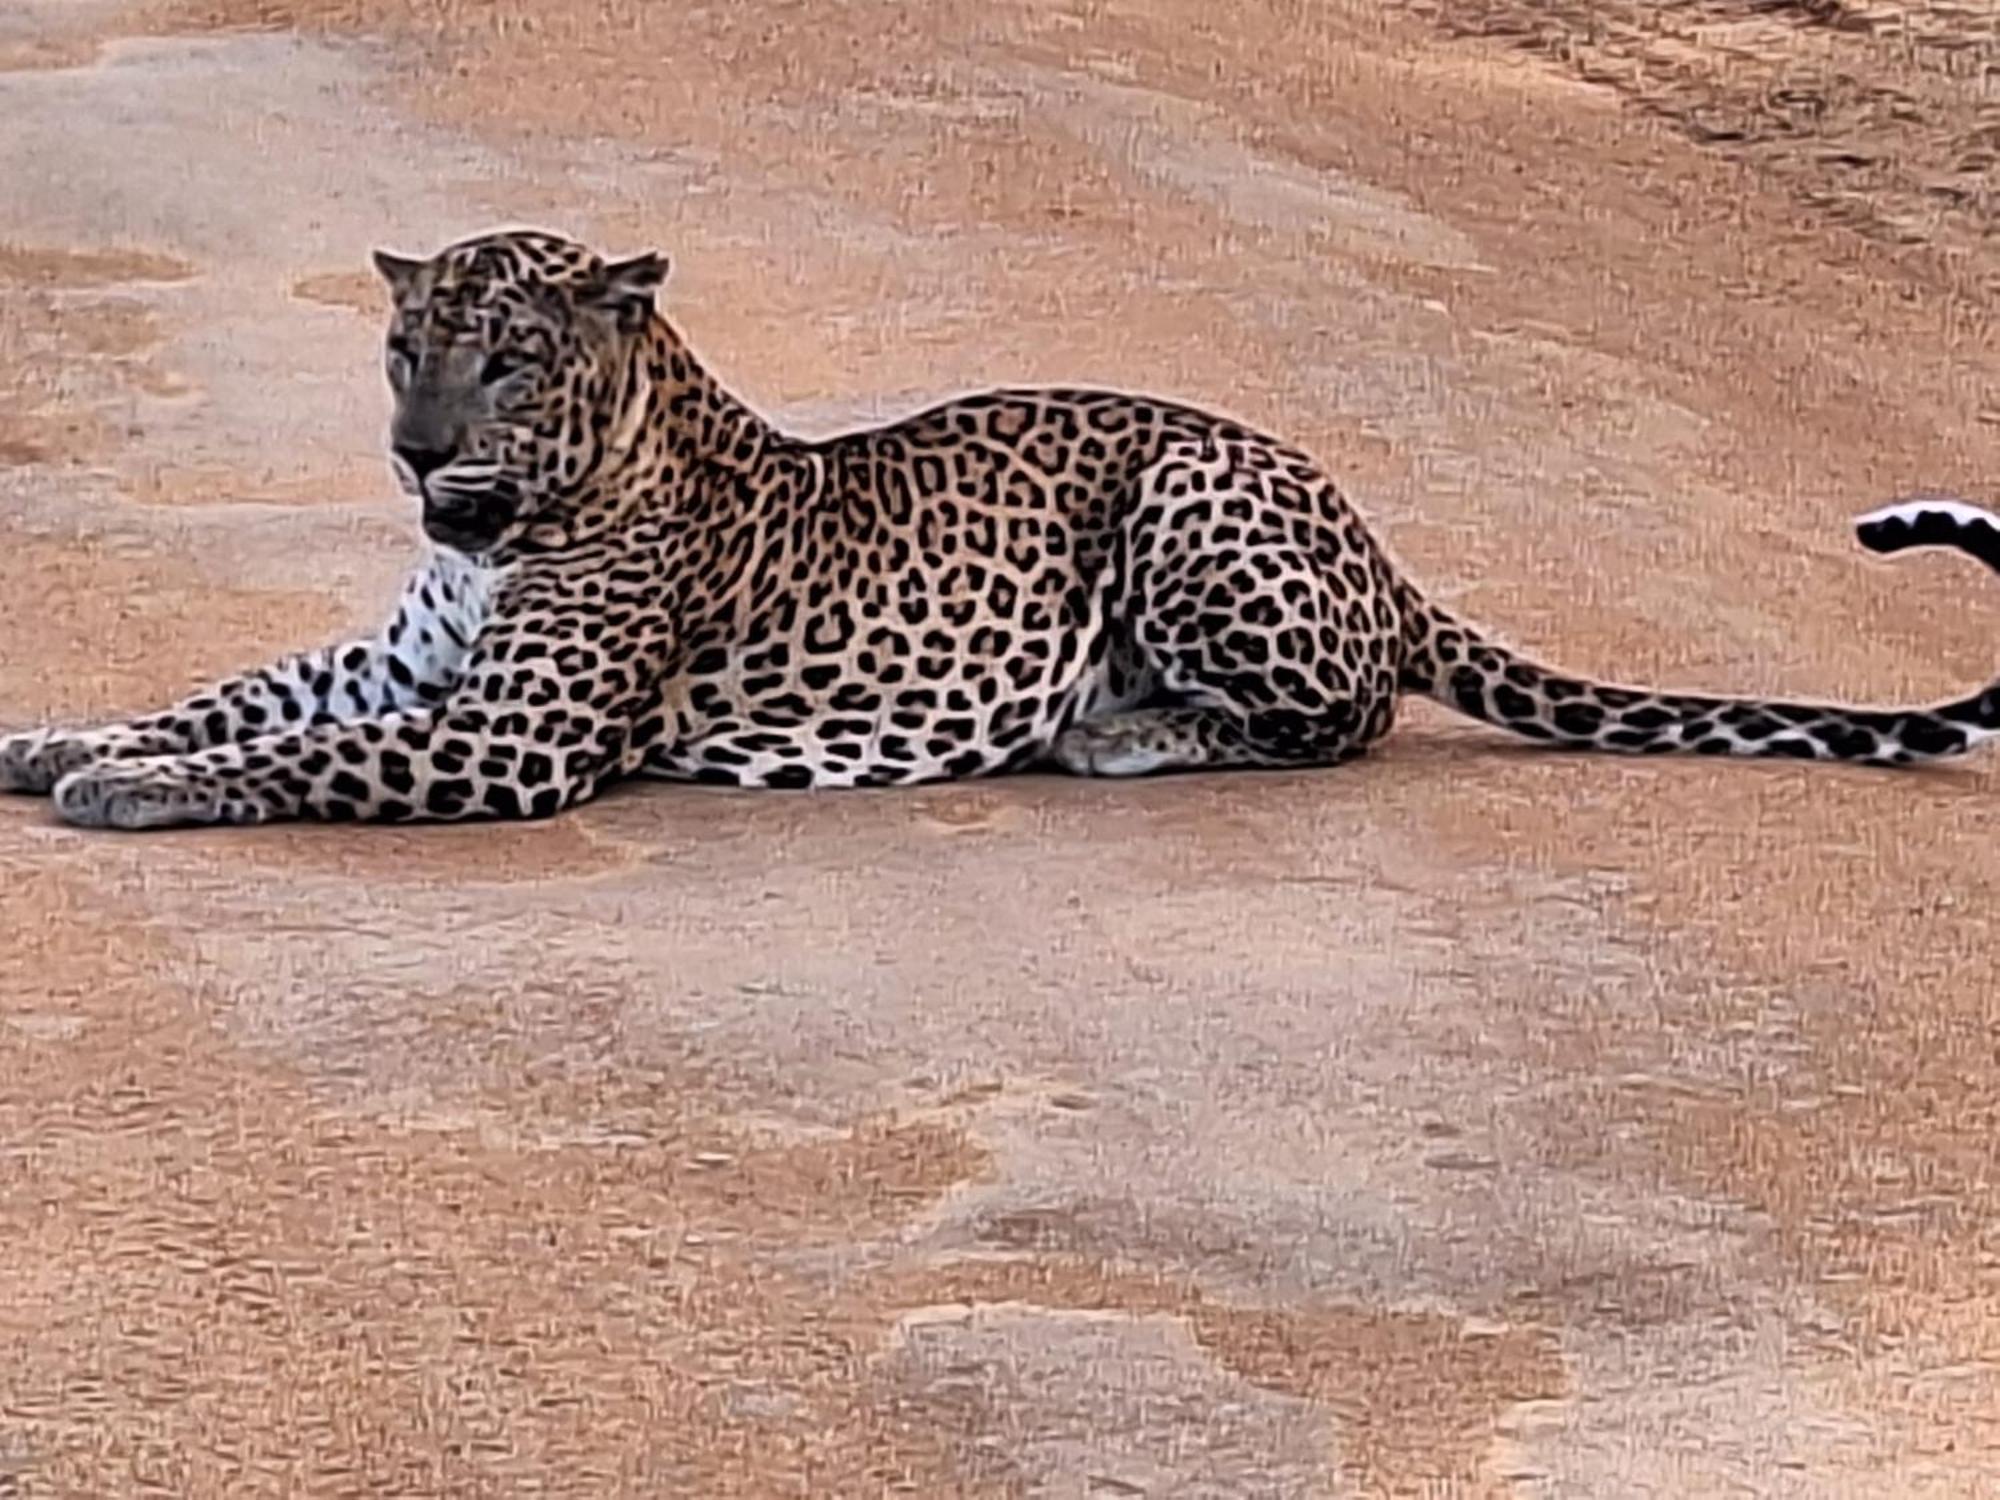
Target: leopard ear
[[628, 287], [399, 271]]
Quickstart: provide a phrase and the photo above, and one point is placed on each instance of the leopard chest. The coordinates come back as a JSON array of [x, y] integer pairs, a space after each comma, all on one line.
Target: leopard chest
[[443, 610]]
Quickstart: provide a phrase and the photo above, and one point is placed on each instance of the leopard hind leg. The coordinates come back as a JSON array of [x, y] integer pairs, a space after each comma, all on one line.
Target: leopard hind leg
[[1260, 649], [1186, 737]]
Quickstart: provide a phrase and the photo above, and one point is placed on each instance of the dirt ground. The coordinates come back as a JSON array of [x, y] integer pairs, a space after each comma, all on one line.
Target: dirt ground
[[1468, 1121]]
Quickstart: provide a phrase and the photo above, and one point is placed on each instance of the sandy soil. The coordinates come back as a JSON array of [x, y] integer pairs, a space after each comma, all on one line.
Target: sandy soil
[[1465, 1122]]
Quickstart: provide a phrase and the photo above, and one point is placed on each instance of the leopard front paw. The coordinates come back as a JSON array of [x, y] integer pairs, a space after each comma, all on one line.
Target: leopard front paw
[[33, 762], [145, 794]]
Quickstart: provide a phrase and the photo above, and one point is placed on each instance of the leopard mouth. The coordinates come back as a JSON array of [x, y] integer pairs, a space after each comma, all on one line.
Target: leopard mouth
[[460, 538], [466, 523]]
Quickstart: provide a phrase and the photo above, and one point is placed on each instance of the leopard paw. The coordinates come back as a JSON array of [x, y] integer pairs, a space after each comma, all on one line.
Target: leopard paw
[[33, 762], [1111, 747], [142, 794]]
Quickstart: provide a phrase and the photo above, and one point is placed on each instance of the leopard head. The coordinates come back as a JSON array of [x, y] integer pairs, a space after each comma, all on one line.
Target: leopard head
[[507, 357]]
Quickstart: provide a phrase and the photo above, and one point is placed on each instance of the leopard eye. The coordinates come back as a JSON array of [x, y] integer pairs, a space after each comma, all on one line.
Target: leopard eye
[[499, 365]]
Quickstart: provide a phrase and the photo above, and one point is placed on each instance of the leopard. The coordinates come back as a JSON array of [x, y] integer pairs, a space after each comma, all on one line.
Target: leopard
[[628, 572]]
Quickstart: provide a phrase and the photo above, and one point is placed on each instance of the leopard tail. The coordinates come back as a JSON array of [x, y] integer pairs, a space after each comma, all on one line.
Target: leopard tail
[[1464, 668]]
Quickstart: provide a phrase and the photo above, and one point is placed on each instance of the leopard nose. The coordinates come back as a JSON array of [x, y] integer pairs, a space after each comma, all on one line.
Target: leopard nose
[[423, 461]]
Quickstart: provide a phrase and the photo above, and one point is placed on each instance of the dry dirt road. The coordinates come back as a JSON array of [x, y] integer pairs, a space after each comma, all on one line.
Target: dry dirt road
[[1465, 1122]]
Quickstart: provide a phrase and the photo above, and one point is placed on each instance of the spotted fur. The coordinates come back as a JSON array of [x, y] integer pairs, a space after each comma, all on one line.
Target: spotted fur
[[631, 572]]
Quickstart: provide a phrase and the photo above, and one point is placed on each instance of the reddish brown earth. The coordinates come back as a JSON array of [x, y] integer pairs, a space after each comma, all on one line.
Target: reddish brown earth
[[1467, 1121]]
